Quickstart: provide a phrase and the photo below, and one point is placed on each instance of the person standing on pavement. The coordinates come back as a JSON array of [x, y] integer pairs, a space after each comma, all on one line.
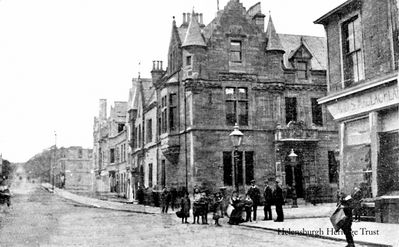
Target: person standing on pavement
[[268, 195], [173, 198], [165, 199], [185, 205], [279, 202], [254, 193], [197, 207], [248, 204], [217, 208]]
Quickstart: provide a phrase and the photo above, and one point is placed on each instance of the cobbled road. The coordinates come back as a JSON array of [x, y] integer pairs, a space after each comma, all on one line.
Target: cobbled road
[[39, 218]]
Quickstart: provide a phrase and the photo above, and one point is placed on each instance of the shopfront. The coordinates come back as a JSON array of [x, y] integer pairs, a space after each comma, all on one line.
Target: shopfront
[[369, 145]]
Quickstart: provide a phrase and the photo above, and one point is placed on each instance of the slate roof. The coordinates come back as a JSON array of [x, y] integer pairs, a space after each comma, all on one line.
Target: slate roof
[[316, 45], [193, 34]]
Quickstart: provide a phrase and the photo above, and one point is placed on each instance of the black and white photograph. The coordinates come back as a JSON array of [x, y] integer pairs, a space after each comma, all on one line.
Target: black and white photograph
[[199, 123]]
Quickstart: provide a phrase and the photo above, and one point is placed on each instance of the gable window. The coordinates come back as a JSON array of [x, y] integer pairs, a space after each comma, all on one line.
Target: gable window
[[302, 70], [235, 51], [290, 109], [173, 111], [188, 60], [236, 106], [149, 131], [317, 113], [352, 51]]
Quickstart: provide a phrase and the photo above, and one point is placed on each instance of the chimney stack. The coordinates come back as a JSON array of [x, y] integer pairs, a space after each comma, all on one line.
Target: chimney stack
[[157, 71]]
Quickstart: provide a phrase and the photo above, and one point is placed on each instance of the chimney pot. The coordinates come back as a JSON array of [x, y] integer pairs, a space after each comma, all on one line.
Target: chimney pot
[[157, 65], [184, 18], [201, 21], [153, 65], [188, 17], [161, 65]]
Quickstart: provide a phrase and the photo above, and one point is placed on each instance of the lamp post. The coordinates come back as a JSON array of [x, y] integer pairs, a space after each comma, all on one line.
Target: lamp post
[[293, 156], [236, 138]]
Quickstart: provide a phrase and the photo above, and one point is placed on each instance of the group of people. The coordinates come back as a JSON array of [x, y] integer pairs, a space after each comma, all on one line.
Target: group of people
[[252, 200], [239, 209]]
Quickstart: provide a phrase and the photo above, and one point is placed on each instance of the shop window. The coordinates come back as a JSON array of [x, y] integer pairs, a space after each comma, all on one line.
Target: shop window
[[235, 51], [236, 106], [173, 111], [352, 51], [317, 113], [290, 109]]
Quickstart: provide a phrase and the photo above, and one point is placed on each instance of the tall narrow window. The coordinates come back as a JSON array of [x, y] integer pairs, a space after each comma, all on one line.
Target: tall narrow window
[[227, 168], [150, 173], [112, 155], [163, 170], [317, 113], [332, 168], [163, 115], [249, 167], [290, 109], [302, 70], [149, 131], [235, 51], [352, 51], [236, 106], [188, 60], [139, 135], [173, 111]]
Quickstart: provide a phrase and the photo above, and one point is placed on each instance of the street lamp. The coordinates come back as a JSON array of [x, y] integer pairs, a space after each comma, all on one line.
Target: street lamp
[[293, 156], [236, 138]]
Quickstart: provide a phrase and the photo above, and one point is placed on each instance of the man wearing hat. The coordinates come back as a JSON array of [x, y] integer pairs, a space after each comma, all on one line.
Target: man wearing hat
[[254, 194], [278, 201], [268, 195]]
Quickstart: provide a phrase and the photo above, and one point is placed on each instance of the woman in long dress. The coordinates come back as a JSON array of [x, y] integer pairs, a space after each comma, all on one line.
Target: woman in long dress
[[236, 214]]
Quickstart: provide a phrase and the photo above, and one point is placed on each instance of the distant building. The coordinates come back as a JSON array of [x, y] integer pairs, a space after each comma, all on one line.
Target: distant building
[[363, 97], [232, 71], [111, 149], [73, 169]]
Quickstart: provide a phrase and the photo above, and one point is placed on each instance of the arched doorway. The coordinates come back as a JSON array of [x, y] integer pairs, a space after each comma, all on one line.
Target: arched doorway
[[298, 174]]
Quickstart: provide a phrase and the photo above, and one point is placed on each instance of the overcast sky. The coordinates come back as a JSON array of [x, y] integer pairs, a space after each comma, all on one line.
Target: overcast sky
[[59, 57]]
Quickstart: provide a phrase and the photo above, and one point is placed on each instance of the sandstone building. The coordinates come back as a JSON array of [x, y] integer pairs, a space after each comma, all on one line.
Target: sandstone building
[[232, 71]]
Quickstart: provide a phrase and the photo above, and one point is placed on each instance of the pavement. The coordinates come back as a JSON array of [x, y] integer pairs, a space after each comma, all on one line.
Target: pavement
[[306, 220]]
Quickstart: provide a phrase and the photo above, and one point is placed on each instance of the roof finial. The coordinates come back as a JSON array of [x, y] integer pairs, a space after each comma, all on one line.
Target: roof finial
[[218, 5], [139, 70]]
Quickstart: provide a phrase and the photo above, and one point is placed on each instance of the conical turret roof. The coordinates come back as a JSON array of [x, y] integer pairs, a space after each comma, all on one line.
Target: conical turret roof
[[273, 41], [193, 35]]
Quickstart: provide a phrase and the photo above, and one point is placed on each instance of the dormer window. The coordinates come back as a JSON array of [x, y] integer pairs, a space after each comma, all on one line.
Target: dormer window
[[302, 70], [235, 51]]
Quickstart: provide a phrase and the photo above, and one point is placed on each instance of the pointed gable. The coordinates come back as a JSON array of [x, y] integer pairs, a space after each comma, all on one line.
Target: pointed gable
[[303, 51], [273, 40], [193, 34]]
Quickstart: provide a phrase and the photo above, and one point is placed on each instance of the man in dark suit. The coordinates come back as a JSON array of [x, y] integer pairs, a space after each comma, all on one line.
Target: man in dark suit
[[278, 201], [268, 195], [254, 193]]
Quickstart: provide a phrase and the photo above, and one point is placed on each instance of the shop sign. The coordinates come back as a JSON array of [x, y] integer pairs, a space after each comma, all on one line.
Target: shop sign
[[364, 103]]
